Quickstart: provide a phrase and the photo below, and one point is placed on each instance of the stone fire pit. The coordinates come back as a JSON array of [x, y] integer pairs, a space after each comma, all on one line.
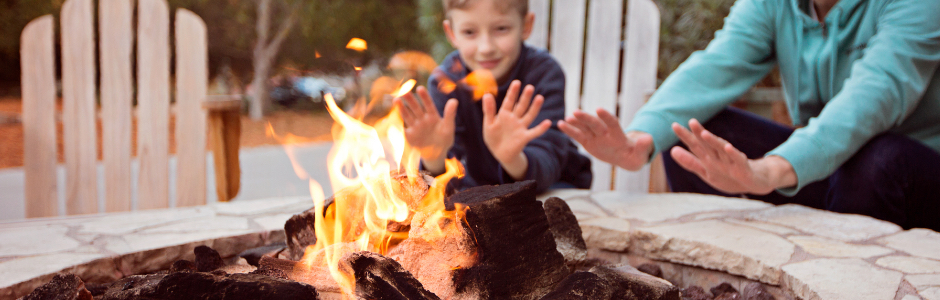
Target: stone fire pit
[[696, 240]]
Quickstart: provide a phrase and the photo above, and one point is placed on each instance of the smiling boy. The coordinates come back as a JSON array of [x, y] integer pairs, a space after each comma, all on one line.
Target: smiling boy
[[493, 138]]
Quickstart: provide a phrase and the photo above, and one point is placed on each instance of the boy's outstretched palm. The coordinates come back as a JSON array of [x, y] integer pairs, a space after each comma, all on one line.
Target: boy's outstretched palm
[[507, 131], [604, 139], [425, 130]]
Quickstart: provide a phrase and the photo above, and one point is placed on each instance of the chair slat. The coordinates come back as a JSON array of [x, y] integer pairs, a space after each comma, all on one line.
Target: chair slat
[[539, 36], [37, 61], [78, 91], [601, 72], [116, 35], [153, 103], [191, 81], [639, 78], [567, 45]]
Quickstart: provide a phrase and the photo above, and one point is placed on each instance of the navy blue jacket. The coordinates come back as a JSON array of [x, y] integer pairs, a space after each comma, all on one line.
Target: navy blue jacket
[[553, 157]]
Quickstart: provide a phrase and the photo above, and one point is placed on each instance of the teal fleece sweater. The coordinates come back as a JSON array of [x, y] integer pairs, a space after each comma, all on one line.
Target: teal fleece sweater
[[866, 69]]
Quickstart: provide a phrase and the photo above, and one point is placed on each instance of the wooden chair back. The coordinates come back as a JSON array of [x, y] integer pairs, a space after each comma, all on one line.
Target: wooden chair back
[[81, 98], [612, 67]]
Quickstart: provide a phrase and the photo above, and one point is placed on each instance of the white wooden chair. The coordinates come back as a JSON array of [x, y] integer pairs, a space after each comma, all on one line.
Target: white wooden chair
[[79, 91], [614, 68]]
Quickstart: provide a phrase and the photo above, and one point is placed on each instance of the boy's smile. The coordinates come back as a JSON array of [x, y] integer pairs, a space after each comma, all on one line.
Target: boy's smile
[[487, 37]]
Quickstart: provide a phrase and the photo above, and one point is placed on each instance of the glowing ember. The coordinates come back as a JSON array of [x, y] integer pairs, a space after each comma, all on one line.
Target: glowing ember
[[357, 44], [369, 197], [405, 88]]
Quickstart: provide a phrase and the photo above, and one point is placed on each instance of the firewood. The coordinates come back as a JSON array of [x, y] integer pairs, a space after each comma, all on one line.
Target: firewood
[[565, 229], [517, 256], [644, 286], [207, 259], [61, 287], [201, 285], [252, 256], [583, 285], [382, 278]]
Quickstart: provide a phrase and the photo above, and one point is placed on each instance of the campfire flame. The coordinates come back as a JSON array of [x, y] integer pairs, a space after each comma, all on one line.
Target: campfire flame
[[357, 44], [368, 196]]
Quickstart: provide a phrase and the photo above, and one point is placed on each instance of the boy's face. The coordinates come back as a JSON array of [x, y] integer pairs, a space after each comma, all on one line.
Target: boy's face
[[488, 38]]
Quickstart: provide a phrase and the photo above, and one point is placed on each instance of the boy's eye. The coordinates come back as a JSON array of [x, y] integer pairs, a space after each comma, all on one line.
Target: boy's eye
[[468, 32], [502, 28]]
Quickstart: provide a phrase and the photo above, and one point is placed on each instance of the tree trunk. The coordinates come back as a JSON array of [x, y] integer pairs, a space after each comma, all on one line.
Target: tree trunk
[[264, 54]]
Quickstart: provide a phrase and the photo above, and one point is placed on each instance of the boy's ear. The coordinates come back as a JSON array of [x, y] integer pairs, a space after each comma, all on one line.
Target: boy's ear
[[527, 24], [449, 32]]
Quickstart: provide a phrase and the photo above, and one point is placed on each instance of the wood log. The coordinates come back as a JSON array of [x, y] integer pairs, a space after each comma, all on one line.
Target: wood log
[[61, 287], [628, 279], [564, 227], [584, 285], [200, 285], [382, 278], [517, 257]]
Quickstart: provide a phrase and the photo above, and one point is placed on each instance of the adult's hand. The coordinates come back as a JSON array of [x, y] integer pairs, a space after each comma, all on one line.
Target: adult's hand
[[507, 132], [603, 138], [425, 130], [727, 169]]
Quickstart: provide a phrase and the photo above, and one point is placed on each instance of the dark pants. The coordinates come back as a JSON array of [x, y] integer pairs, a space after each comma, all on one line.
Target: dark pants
[[892, 177]]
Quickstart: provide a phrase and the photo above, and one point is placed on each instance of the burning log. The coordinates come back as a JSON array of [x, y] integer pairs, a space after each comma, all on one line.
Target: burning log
[[61, 287], [584, 285], [200, 285], [565, 229], [516, 252]]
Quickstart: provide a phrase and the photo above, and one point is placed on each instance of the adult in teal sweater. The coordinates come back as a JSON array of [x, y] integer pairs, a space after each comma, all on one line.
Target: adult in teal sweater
[[860, 84]]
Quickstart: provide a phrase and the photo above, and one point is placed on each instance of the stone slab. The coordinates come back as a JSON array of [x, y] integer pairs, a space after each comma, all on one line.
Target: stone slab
[[275, 222], [585, 209], [713, 244], [25, 268], [662, 207], [843, 227], [832, 248], [606, 233], [139, 220], [841, 278], [918, 241], [264, 206], [931, 293], [910, 297], [22, 241], [764, 226], [201, 225], [565, 194], [924, 282], [909, 264]]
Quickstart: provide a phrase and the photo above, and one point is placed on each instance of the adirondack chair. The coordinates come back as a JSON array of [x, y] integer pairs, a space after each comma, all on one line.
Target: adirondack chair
[[79, 90], [604, 70]]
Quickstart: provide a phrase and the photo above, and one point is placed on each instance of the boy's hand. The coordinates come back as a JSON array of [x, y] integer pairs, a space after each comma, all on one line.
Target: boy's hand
[[603, 138], [725, 168], [425, 130], [507, 132]]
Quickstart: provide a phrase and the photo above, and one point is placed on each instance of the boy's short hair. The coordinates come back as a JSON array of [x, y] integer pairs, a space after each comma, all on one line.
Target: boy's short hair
[[521, 6]]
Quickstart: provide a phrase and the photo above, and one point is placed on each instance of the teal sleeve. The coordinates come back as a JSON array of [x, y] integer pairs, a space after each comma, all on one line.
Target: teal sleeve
[[740, 55], [885, 86]]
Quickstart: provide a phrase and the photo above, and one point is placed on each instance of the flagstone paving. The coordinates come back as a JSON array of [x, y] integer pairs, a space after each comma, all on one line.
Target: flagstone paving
[[794, 251]]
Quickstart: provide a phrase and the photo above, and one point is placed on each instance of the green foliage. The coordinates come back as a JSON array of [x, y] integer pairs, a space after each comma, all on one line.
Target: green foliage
[[14, 15], [687, 26]]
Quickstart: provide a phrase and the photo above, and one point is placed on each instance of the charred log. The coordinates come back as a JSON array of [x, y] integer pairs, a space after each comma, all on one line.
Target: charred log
[[517, 257], [564, 227], [200, 285], [583, 285], [626, 279], [61, 287], [694, 293], [207, 259], [725, 291], [382, 278], [253, 256], [183, 266], [651, 269], [756, 291]]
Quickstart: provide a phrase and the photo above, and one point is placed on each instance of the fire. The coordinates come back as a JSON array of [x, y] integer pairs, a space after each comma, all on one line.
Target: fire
[[357, 44], [368, 197]]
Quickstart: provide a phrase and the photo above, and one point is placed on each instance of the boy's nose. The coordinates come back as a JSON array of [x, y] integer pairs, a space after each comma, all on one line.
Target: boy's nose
[[486, 46]]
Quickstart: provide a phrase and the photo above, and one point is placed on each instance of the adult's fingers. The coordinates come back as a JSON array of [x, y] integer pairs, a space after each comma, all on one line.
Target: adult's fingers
[[717, 144], [572, 131], [690, 140], [688, 161], [699, 131], [524, 99], [534, 110], [576, 123], [608, 119], [597, 127]]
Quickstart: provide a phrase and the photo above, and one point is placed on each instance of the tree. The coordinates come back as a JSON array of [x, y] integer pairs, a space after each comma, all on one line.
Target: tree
[[266, 49]]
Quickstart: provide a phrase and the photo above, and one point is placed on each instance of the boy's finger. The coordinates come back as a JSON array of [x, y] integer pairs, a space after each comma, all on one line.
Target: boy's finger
[[510, 101], [489, 108], [539, 130], [534, 110], [523, 105], [406, 116], [426, 101], [450, 112], [413, 105]]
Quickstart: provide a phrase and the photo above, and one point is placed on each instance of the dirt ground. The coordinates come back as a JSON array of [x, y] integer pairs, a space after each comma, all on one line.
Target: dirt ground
[[314, 125]]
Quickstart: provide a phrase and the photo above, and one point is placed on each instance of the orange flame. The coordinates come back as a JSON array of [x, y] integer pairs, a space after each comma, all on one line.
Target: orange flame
[[357, 44], [481, 82], [368, 199]]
